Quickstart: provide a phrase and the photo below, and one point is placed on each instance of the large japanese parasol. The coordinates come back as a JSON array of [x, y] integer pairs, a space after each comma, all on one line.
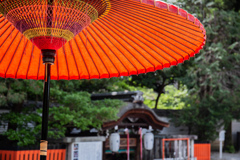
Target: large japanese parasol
[[87, 39]]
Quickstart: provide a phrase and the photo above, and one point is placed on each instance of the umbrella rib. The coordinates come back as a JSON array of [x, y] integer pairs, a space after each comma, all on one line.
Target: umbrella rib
[[149, 15], [164, 35], [131, 46], [4, 26], [82, 57], [7, 36], [13, 53], [3, 19], [70, 44], [38, 63], [25, 46], [30, 62], [63, 48], [103, 53], [117, 47], [154, 24], [157, 40], [137, 45], [123, 28], [9, 45], [128, 50], [128, 24], [112, 51], [155, 11], [90, 55], [98, 57]]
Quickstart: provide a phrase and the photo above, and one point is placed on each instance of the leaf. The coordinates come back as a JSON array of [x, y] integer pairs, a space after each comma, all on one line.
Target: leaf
[[232, 46], [209, 4]]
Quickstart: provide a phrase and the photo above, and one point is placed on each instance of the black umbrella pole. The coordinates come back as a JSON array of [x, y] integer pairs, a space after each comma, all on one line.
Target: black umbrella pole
[[48, 57], [44, 142]]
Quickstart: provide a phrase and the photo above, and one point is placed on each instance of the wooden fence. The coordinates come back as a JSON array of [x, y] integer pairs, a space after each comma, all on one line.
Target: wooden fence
[[202, 151], [53, 154]]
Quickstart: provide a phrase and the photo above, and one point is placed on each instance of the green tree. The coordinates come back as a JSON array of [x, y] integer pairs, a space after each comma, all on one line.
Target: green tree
[[78, 111], [90, 86], [13, 94], [172, 98], [213, 78], [159, 80], [75, 110]]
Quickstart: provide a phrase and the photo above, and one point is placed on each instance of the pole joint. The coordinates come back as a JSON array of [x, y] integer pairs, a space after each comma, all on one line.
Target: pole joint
[[48, 56]]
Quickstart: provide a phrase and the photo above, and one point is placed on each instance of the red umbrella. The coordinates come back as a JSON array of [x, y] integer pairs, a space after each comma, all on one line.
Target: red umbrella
[[92, 39]]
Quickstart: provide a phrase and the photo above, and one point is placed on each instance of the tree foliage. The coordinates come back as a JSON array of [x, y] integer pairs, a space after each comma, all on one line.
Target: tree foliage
[[213, 78], [78, 111], [172, 98], [158, 80], [73, 109]]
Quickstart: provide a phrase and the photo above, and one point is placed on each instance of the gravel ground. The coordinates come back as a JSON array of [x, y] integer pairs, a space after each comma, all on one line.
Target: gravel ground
[[226, 156]]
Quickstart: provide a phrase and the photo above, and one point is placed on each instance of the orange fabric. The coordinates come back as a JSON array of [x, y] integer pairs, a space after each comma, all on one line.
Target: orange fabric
[[132, 38]]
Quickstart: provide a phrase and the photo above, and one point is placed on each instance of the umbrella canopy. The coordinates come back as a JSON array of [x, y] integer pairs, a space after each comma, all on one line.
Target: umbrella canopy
[[129, 37]]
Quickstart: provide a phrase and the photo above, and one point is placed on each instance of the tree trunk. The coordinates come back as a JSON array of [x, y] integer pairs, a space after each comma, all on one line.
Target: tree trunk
[[228, 136], [156, 104]]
